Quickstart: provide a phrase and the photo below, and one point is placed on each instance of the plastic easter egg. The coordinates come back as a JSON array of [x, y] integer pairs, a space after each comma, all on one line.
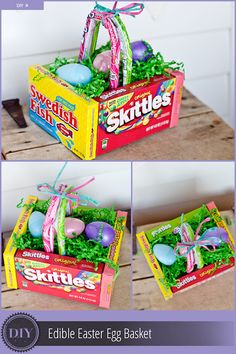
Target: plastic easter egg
[[35, 223], [215, 236], [75, 74], [164, 254], [101, 232], [102, 62], [73, 227], [141, 51]]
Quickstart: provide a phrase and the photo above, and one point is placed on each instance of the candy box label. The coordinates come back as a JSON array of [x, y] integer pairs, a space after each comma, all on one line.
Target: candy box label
[[137, 110], [90, 127], [58, 275], [193, 278]]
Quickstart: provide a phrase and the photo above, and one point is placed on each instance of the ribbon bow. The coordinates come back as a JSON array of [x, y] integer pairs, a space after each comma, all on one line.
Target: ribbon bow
[[132, 9], [190, 244], [68, 193], [201, 241]]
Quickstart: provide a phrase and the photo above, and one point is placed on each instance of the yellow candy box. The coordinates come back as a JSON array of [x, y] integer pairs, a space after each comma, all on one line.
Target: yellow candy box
[[70, 118]]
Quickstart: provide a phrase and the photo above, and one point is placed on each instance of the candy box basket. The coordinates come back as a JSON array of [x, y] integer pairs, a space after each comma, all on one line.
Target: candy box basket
[[92, 126], [62, 276], [174, 278]]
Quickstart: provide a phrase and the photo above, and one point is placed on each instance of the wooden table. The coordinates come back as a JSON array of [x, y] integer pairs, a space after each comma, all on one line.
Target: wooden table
[[16, 300], [200, 135], [216, 294]]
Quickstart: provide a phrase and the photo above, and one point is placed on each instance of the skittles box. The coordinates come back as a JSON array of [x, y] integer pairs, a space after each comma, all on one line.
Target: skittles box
[[58, 275], [90, 127], [188, 250]]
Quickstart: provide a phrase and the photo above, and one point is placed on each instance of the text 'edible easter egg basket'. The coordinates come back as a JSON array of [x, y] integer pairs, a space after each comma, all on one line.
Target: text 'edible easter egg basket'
[[189, 250], [106, 97], [63, 247]]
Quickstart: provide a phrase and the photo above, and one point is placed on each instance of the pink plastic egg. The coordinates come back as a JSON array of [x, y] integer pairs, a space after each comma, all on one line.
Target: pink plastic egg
[[102, 62], [73, 227]]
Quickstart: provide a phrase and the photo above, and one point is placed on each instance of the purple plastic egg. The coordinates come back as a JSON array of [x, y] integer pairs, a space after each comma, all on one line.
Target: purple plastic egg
[[216, 236], [73, 227], [101, 232], [141, 51]]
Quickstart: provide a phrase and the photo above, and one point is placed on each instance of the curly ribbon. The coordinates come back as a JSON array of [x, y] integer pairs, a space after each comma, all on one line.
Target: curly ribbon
[[132, 9], [50, 218], [190, 245], [110, 18], [57, 210]]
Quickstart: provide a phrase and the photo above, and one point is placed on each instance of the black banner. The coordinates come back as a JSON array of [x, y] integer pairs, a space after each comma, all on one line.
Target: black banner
[[136, 333]]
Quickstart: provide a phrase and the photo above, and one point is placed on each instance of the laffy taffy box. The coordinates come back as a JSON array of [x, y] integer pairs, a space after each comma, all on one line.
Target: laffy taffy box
[[58, 275], [92, 126], [198, 247]]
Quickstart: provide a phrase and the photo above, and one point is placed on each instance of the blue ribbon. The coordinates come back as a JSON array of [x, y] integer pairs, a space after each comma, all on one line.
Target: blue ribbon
[[68, 193], [132, 10]]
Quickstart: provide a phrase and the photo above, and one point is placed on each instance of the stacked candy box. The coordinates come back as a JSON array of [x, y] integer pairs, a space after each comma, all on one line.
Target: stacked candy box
[[188, 250], [108, 96], [63, 248]]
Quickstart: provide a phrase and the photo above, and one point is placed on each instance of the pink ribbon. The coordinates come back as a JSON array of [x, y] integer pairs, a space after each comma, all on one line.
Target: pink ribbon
[[48, 232], [186, 247]]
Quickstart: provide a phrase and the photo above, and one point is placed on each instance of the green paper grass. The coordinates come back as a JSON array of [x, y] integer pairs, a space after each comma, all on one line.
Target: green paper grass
[[155, 65], [221, 255], [79, 247]]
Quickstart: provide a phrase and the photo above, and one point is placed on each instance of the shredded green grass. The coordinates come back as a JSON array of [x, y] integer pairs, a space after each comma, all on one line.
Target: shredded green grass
[[79, 247], [155, 65]]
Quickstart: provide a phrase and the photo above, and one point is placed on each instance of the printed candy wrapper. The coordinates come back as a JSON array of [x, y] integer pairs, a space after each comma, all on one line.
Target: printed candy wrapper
[[61, 227], [50, 219], [125, 49], [90, 39], [118, 36], [195, 277]]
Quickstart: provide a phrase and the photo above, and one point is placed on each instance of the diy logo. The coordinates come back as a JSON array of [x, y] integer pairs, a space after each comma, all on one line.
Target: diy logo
[[20, 332]]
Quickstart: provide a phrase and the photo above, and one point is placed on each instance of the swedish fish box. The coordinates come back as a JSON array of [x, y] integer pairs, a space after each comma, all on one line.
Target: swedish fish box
[[91, 127], [57, 275], [188, 250], [68, 117]]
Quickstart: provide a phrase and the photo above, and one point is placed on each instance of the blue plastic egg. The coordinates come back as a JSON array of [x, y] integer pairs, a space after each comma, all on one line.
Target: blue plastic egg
[[35, 223], [164, 254], [75, 74]]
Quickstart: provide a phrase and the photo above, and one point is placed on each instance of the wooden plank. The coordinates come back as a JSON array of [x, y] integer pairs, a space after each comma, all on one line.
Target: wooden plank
[[200, 137], [140, 267], [18, 139], [216, 294], [26, 300], [191, 105]]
